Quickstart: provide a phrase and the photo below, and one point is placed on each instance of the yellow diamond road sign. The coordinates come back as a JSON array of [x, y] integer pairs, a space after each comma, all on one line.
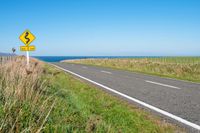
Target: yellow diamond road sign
[[27, 37]]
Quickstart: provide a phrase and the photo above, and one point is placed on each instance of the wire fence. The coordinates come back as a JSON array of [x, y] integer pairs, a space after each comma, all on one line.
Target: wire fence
[[4, 59]]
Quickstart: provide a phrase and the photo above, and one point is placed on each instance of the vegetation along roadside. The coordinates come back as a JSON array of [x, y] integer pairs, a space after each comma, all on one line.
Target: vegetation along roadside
[[45, 99]]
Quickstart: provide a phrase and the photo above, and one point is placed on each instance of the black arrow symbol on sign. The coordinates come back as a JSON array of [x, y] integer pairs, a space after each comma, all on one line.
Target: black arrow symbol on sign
[[26, 37]]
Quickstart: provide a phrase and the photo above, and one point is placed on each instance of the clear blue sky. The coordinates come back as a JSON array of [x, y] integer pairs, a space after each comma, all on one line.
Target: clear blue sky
[[103, 27]]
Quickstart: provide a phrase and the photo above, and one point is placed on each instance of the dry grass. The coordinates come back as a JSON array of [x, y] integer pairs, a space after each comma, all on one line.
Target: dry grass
[[185, 68], [23, 105]]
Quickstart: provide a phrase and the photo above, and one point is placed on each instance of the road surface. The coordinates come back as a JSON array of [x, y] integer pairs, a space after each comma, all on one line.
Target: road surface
[[175, 100]]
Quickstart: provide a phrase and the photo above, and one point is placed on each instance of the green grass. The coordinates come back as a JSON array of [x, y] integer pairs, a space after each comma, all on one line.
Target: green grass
[[83, 108], [184, 68]]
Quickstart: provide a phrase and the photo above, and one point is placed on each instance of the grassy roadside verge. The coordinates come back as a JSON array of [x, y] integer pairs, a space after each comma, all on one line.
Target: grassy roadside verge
[[88, 109], [184, 68], [24, 103], [44, 99]]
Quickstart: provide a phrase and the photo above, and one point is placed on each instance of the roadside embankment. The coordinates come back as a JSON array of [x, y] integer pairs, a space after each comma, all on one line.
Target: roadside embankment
[[24, 105]]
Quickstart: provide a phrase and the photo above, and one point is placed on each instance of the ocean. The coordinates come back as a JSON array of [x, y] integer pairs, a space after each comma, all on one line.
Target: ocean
[[60, 58]]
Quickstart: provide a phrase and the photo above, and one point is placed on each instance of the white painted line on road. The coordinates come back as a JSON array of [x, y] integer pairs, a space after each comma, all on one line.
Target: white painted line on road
[[162, 84], [179, 119], [178, 80], [106, 72], [84, 67]]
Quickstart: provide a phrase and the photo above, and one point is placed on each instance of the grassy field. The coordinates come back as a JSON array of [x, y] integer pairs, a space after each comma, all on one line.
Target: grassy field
[[44, 99], [184, 68]]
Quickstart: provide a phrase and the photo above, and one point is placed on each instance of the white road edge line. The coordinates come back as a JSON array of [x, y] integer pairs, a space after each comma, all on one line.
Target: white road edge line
[[179, 119], [106, 72], [170, 86], [84, 67]]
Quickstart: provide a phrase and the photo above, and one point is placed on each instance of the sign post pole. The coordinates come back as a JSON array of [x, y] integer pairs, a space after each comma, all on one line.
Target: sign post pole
[[27, 59]]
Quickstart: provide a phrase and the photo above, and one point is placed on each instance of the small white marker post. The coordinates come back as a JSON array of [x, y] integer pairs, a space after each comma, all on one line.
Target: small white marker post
[[27, 59]]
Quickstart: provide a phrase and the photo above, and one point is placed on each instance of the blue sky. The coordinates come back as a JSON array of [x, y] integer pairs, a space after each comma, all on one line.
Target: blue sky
[[103, 27]]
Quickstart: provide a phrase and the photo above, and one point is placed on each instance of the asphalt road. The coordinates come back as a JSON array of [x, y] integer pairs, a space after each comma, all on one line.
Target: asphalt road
[[179, 100]]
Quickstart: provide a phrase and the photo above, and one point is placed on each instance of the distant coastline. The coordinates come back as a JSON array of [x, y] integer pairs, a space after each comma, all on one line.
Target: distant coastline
[[7, 54], [62, 58]]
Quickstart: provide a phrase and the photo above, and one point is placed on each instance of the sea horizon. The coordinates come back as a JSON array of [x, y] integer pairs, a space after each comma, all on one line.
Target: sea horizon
[[61, 58]]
